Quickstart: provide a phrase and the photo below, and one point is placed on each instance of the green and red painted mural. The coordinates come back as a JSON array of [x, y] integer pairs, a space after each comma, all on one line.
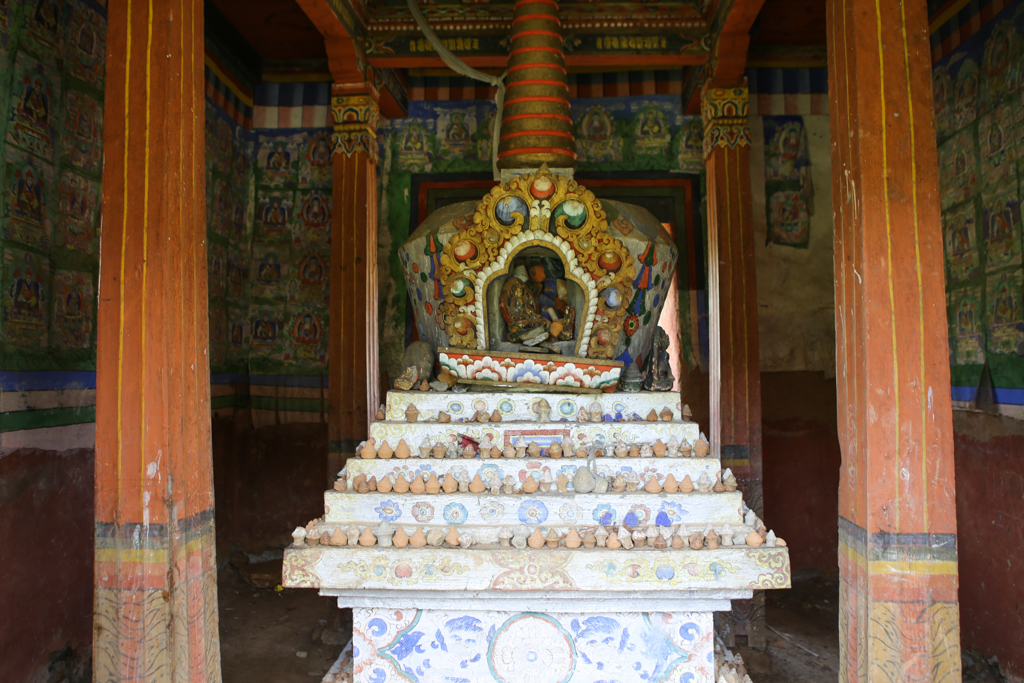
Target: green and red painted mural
[[51, 71], [977, 90]]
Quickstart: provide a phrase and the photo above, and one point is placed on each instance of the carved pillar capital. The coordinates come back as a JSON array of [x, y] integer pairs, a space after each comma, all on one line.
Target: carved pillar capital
[[724, 111], [355, 124]]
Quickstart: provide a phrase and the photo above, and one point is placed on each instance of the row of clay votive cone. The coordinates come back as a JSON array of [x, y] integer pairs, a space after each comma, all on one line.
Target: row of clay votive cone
[[485, 449], [627, 482], [522, 537]]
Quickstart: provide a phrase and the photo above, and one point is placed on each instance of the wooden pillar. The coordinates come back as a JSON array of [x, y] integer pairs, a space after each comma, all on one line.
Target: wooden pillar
[[735, 369], [354, 392], [155, 597], [899, 616]]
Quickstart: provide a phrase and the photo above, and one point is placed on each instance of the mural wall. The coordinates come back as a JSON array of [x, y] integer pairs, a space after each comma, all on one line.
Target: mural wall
[[269, 217], [51, 71], [977, 89], [643, 133]]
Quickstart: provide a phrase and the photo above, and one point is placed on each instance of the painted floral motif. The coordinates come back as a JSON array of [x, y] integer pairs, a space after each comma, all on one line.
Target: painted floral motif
[[642, 512], [529, 371], [455, 513], [665, 571], [532, 647], [674, 511], [422, 511], [571, 513], [532, 512], [404, 572], [388, 510], [604, 514], [491, 510]]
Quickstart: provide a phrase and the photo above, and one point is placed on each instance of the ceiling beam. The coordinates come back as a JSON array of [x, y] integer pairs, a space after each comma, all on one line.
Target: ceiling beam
[[341, 29], [730, 40], [572, 61]]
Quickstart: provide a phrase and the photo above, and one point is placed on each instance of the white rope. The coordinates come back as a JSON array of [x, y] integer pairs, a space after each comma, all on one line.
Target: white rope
[[460, 67]]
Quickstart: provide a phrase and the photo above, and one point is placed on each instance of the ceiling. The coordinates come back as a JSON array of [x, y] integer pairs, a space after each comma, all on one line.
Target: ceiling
[[276, 29]]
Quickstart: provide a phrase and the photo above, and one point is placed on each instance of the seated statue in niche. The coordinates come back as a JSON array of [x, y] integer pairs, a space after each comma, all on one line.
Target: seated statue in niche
[[552, 296], [535, 307], [519, 308]]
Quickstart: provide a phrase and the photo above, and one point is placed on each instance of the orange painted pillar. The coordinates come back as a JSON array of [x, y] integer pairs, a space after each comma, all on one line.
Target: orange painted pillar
[[899, 615], [354, 392], [735, 368], [155, 596]]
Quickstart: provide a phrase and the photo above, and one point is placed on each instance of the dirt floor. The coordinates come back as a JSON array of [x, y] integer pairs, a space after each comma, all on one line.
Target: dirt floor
[[293, 636], [271, 636]]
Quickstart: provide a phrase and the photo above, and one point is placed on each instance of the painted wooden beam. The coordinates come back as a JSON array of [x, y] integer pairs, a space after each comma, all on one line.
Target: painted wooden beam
[[735, 381], [899, 612], [353, 386], [155, 616], [346, 59]]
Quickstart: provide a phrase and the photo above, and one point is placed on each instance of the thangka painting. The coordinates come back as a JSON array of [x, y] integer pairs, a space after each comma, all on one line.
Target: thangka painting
[[76, 221], [267, 334], [1001, 227], [237, 273], [25, 297], [72, 309], [82, 143], [787, 181], [34, 106], [218, 319], [216, 257], [597, 140], [27, 218], [223, 136], [223, 208], [997, 132], [311, 224], [967, 326], [651, 134], [1005, 319], [414, 145], [273, 215], [958, 164], [43, 28], [965, 94], [278, 159], [316, 166], [309, 281], [455, 131], [269, 273], [85, 42], [942, 93], [1000, 66], [961, 244], [307, 336], [690, 157], [238, 331]]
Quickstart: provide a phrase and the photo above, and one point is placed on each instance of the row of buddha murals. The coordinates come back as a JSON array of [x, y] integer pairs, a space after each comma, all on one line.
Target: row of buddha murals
[[612, 134], [646, 133], [268, 222], [51, 80], [978, 105]]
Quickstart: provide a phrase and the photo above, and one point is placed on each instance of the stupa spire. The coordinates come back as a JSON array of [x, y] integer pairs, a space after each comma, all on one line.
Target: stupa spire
[[536, 125]]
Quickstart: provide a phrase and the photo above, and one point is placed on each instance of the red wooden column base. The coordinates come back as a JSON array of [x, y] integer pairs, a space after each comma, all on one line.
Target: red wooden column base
[[899, 615], [155, 601], [735, 370], [353, 373]]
